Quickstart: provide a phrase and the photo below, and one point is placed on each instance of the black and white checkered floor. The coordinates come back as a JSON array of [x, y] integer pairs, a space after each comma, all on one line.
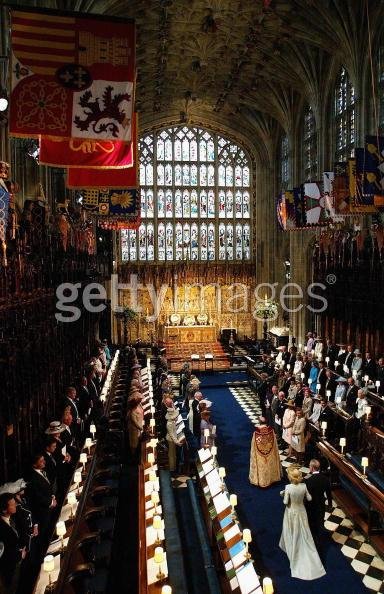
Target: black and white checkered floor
[[363, 558]]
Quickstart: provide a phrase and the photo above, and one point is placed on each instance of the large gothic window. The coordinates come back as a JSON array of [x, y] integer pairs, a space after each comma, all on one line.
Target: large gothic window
[[344, 117], [309, 145], [284, 162], [195, 199], [380, 106]]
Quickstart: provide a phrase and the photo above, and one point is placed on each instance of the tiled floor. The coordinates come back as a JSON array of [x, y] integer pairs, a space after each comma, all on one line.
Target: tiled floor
[[362, 556]]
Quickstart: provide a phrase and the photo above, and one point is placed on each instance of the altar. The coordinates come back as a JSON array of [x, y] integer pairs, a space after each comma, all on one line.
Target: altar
[[185, 334]]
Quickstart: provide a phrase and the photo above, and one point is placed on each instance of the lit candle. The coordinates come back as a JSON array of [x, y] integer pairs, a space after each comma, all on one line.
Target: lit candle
[[159, 559], [364, 463], [83, 459], [77, 479], [288, 366], [318, 387], [302, 375], [166, 589], [328, 394], [247, 538], [213, 431], [49, 566], [151, 458], [60, 531], [71, 501], [377, 384], [327, 360], [367, 410], [342, 443], [88, 444], [206, 435], [155, 500], [214, 452], [324, 426], [309, 381], [354, 372], [233, 502], [336, 363], [267, 586], [366, 378], [157, 525]]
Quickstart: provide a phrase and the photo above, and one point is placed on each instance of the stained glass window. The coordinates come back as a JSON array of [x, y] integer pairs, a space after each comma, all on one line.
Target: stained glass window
[[344, 117], [309, 145], [189, 177], [284, 162]]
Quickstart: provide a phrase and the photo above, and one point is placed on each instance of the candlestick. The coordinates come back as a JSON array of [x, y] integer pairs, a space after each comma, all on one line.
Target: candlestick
[[327, 360], [377, 384], [342, 443], [88, 444], [71, 501], [159, 559], [336, 364], [92, 430], [233, 502], [247, 538], [324, 427], [328, 393], [364, 463]]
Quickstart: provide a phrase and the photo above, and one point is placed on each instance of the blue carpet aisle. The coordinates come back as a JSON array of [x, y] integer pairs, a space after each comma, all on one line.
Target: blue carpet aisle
[[262, 510]]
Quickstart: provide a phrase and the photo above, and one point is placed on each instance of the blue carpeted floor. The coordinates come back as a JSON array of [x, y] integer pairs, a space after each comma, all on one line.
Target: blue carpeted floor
[[262, 511]]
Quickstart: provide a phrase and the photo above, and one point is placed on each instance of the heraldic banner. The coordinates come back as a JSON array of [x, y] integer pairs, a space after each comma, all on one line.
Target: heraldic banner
[[72, 76], [94, 154]]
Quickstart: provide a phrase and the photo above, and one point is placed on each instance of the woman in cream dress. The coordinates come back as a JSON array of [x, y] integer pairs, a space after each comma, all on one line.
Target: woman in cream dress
[[296, 538], [288, 420]]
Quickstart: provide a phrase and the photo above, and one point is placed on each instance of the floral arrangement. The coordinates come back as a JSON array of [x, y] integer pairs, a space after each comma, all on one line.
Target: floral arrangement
[[266, 310]]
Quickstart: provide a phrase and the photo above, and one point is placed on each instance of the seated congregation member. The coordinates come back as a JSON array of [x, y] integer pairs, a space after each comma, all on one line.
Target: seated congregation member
[[298, 435], [14, 552], [288, 421], [175, 441], [265, 466], [296, 538]]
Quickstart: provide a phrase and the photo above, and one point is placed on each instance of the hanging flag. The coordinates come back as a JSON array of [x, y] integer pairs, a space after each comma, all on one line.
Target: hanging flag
[[286, 213], [341, 188], [299, 207], [72, 75], [374, 165], [329, 198], [360, 202], [4, 211], [93, 154], [315, 212]]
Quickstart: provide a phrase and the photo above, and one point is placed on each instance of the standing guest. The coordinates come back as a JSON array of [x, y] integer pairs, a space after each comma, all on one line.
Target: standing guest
[[357, 364], [341, 390], [316, 410], [310, 343], [41, 498], [319, 346], [262, 391], [298, 435], [349, 400], [349, 356], [300, 393], [175, 442], [286, 383], [50, 462], [85, 401], [107, 352], [330, 351], [277, 414], [319, 487], [72, 401], [296, 538], [322, 378], [314, 372], [307, 366], [369, 367], [194, 418], [361, 403], [265, 465], [291, 360], [330, 386], [135, 418], [307, 403], [298, 366], [13, 552], [288, 421], [325, 414], [206, 442], [380, 374], [23, 516]]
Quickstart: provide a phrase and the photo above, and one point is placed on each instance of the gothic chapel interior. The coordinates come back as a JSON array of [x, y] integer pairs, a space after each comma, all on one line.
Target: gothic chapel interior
[[191, 296]]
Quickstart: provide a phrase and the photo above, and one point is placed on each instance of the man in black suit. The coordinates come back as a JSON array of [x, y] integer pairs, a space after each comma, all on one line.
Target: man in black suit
[[319, 488], [322, 378], [369, 367], [13, 551], [350, 397], [349, 356], [41, 498], [330, 386], [330, 351]]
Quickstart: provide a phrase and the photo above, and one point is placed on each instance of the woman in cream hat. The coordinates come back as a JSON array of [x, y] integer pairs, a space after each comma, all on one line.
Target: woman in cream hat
[[172, 438], [288, 420]]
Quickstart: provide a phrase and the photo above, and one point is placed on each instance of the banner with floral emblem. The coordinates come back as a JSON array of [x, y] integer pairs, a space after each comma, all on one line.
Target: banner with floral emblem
[[72, 76]]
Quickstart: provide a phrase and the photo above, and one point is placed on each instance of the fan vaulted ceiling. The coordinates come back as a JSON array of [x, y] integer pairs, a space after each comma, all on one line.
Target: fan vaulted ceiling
[[242, 64]]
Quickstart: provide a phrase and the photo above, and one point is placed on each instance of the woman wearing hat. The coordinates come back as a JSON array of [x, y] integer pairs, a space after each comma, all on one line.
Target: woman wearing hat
[[174, 440], [205, 424], [298, 435], [288, 420], [135, 419]]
